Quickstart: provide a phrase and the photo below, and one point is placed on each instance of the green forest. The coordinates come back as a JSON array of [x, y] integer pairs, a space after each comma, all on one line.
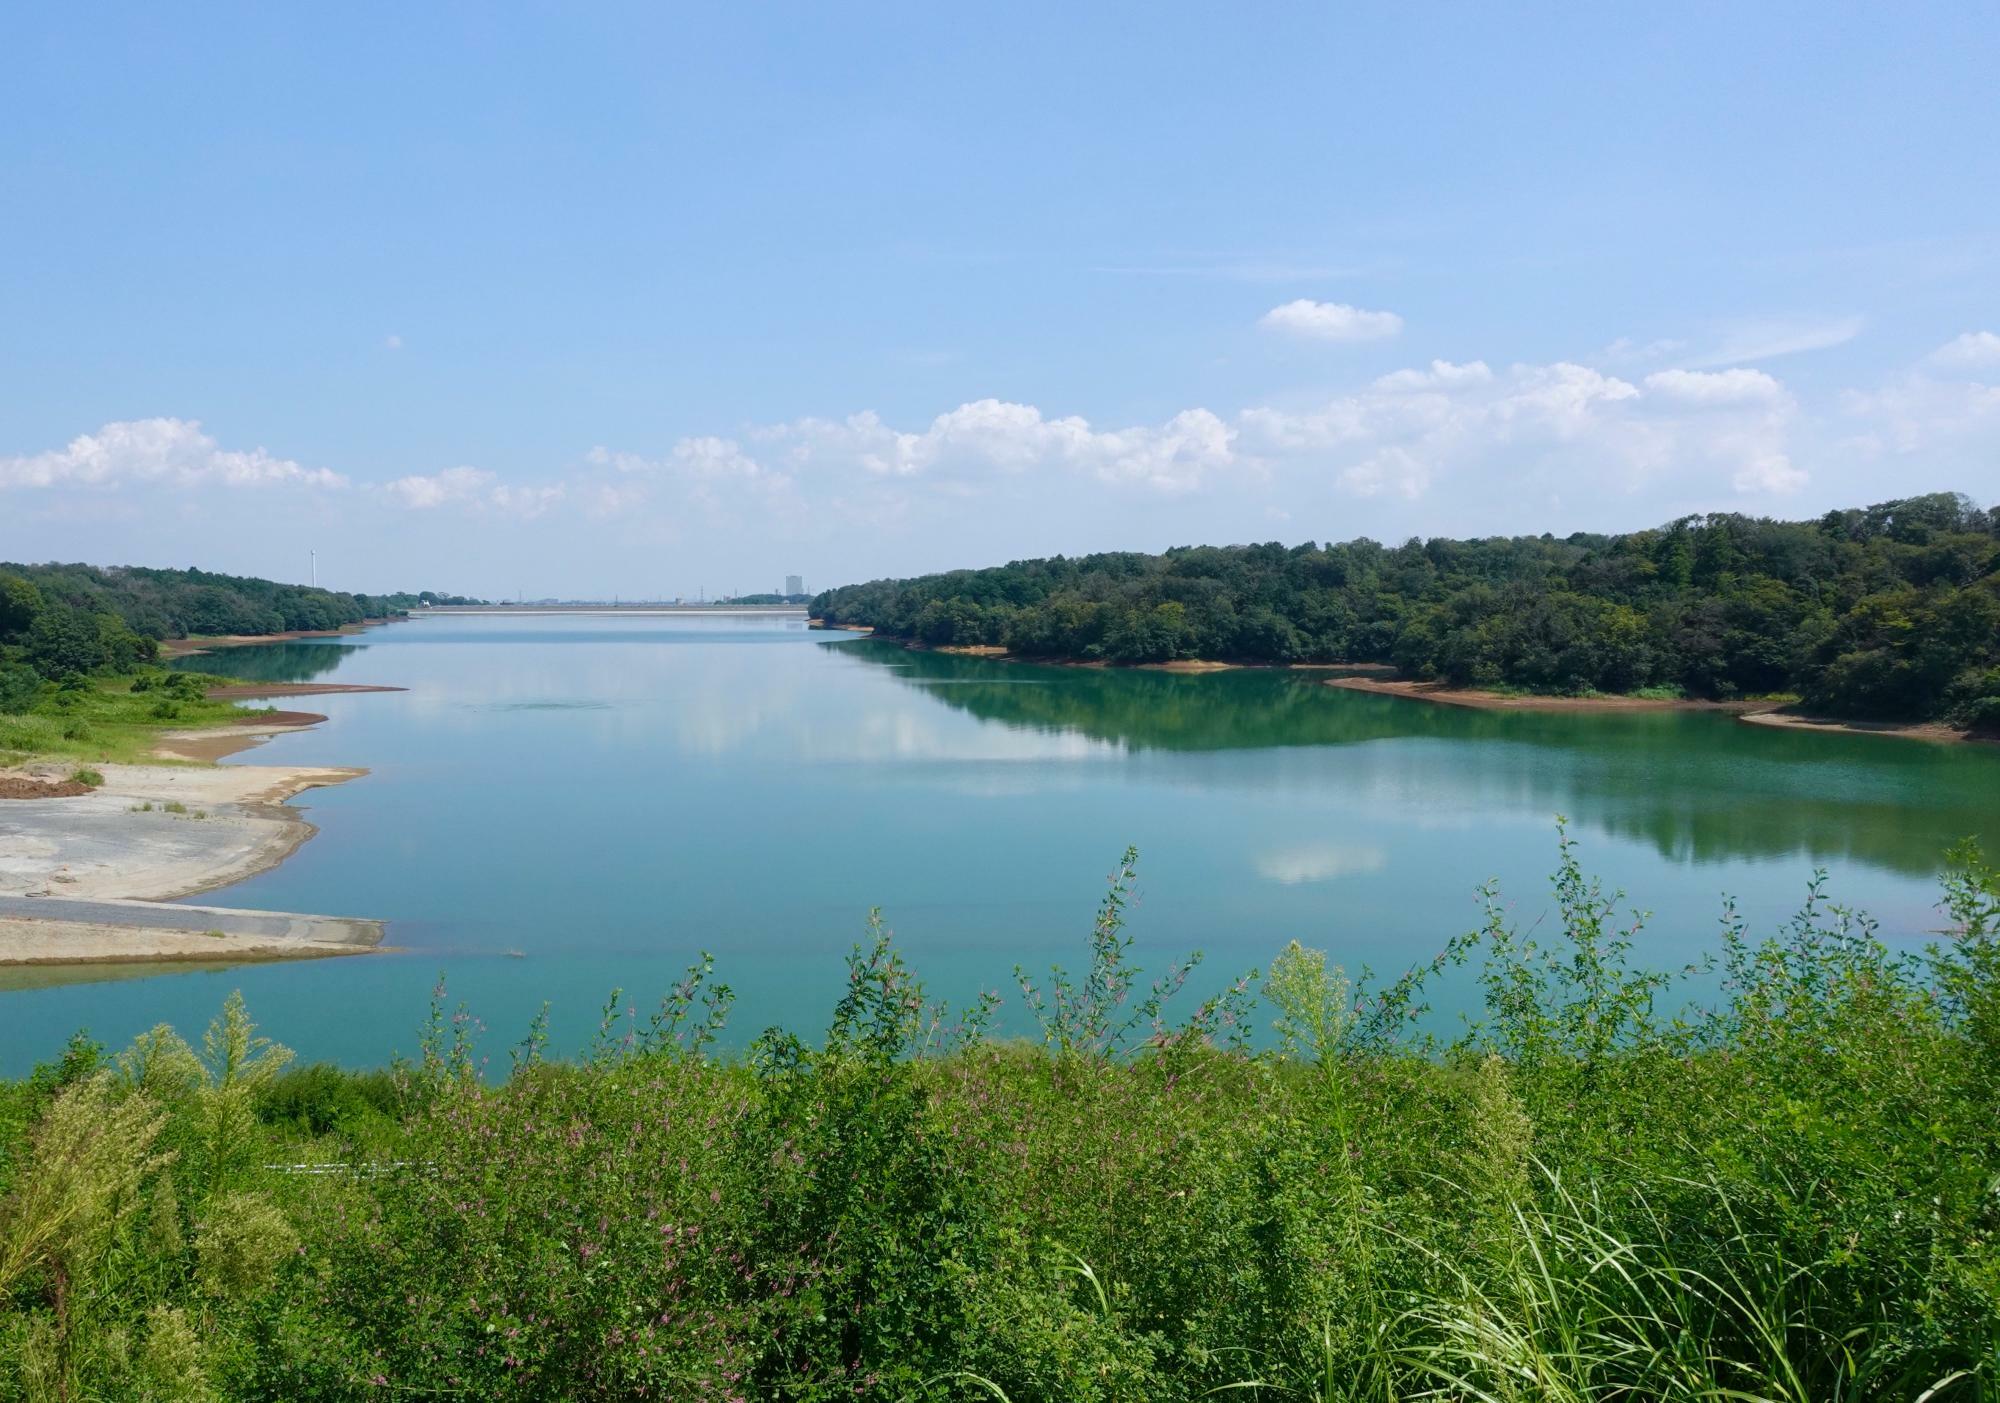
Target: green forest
[[78, 646], [1885, 612], [1771, 1178], [65, 621]]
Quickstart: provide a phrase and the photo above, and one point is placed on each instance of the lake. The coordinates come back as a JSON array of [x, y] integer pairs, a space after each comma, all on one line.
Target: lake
[[561, 805]]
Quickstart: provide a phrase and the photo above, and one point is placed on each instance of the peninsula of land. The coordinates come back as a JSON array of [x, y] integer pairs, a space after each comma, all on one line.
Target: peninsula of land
[[78, 869]]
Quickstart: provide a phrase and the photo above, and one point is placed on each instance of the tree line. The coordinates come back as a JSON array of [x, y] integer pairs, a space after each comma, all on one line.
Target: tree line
[[59, 622], [1890, 611]]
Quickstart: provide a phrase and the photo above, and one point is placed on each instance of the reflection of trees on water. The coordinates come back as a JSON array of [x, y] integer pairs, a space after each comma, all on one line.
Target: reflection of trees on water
[[1697, 787], [271, 662]]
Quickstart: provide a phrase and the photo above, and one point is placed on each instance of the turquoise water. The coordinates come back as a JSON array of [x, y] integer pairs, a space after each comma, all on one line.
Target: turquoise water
[[558, 806]]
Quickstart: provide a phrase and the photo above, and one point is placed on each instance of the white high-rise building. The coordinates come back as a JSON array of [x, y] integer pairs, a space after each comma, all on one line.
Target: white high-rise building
[[795, 584]]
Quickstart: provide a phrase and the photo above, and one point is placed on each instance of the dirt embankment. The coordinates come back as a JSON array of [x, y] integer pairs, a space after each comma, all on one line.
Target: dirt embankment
[[1515, 701], [14, 786], [212, 743], [1755, 712], [1182, 665], [1935, 731]]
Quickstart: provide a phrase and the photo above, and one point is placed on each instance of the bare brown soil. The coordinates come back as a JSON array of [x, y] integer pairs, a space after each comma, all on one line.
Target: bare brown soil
[[219, 742], [1505, 701], [20, 787], [281, 718], [1909, 730], [1183, 665]]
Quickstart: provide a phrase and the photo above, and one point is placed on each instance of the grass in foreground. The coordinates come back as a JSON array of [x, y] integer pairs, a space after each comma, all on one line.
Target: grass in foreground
[[116, 719], [1792, 1194]]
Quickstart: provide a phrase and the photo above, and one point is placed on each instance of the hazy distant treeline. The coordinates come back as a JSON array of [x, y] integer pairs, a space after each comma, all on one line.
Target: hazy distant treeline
[[1886, 611]]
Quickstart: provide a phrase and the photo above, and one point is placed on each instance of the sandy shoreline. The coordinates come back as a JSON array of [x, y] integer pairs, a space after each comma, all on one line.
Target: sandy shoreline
[[158, 833], [58, 931]]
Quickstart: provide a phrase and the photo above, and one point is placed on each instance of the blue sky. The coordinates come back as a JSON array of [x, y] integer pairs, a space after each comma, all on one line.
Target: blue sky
[[641, 299]]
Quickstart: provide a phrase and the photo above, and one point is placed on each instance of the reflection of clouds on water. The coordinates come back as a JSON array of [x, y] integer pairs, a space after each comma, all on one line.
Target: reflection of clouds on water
[[1320, 862], [1014, 782], [543, 706], [905, 735]]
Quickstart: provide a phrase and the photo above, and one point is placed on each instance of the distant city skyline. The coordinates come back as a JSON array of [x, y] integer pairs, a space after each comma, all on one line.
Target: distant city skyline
[[882, 290]]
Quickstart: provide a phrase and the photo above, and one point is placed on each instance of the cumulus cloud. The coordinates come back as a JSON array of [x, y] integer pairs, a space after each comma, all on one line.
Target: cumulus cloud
[[1973, 350], [1956, 415], [163, 452], [1535, 425], [717, 458], [1330, 321], [421, 492], [529, 501], [1442, 374], [990, 436], [1720, 387], [472, 487]]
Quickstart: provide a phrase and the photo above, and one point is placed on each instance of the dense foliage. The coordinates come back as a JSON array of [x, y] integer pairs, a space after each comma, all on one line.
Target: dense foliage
[[62, 625], [1891, 612], [1788, 1194], [159, 604]]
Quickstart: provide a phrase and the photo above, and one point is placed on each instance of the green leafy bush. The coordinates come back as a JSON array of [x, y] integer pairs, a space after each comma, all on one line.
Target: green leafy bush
[[1772, 1178]]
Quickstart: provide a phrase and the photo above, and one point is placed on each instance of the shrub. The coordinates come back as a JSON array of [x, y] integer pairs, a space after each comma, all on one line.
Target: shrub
[[1787, 1193], [20, 688]]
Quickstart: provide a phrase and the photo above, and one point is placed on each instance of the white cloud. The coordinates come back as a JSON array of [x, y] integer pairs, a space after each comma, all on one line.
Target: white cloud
[[1390, 470], [1625, 349], [1770, 472], [1721, 387], [716, 458], [526, 502], [420, 492], [1769, 338], [1441, 375], [1330, 321], [1545, 427], [991, 436], [163, 452], [393, 341], [1921, 414], [1971, 350], [475, 488]]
